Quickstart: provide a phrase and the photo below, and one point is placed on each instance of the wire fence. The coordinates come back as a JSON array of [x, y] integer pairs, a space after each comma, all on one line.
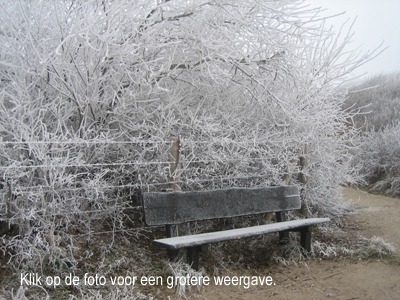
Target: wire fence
[[61, 191], [67, 186], [122, 164], [139, 141]]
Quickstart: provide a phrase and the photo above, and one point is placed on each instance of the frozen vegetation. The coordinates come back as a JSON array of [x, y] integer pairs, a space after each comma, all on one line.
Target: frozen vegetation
[[93, 91], [378, 100]]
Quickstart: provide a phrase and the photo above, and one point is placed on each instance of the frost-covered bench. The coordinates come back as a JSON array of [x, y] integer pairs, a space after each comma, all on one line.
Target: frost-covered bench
[[173, 208]]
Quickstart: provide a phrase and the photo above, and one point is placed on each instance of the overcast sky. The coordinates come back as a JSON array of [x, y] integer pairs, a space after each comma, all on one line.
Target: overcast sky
[[377, 21]]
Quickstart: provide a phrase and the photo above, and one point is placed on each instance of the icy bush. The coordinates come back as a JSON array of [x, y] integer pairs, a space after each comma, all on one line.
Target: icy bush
[[380, 159], [92, 92], [378, 101], [378, 98]]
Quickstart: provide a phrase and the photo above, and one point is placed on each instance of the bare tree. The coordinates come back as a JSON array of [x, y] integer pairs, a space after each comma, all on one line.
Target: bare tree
[[92, 92]]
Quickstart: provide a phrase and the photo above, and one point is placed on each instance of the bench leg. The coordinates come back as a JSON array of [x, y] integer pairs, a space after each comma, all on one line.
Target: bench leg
[[172, 231], [305, 239], [193, 256], [283, 235]]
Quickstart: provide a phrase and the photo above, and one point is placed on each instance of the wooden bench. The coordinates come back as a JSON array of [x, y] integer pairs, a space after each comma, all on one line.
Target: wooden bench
[[173, 208]]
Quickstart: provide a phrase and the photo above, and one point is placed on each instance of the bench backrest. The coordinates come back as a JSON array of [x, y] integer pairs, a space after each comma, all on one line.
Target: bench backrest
[[179, 207]]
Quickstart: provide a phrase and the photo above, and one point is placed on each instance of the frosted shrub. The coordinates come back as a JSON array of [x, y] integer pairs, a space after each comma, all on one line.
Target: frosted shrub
[[377, 246], [92, 92], [378, 101], [380, 157]]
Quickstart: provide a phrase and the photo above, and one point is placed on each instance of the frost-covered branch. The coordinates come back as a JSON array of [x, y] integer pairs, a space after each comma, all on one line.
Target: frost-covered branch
[[243, 84]]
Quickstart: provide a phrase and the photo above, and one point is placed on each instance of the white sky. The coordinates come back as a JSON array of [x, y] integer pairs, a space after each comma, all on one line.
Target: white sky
[[377, 21]]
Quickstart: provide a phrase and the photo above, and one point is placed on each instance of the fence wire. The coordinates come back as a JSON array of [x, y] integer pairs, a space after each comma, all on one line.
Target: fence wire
[[74, 187]]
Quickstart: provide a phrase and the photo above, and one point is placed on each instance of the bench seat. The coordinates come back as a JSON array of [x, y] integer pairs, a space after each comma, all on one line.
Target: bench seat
[[233, 234]]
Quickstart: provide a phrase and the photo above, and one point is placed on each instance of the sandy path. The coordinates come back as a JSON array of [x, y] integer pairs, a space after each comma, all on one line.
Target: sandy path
[[335, 278], [379, 215]]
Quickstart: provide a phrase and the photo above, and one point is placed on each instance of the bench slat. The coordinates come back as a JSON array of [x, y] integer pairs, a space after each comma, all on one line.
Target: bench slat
[[180, 207], [214, 237]]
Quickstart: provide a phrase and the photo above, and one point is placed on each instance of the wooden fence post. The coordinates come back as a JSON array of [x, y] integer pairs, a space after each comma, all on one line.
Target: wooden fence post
[[303, 179], [285, 181], [288, 175], [174, 168], [174, 177]]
